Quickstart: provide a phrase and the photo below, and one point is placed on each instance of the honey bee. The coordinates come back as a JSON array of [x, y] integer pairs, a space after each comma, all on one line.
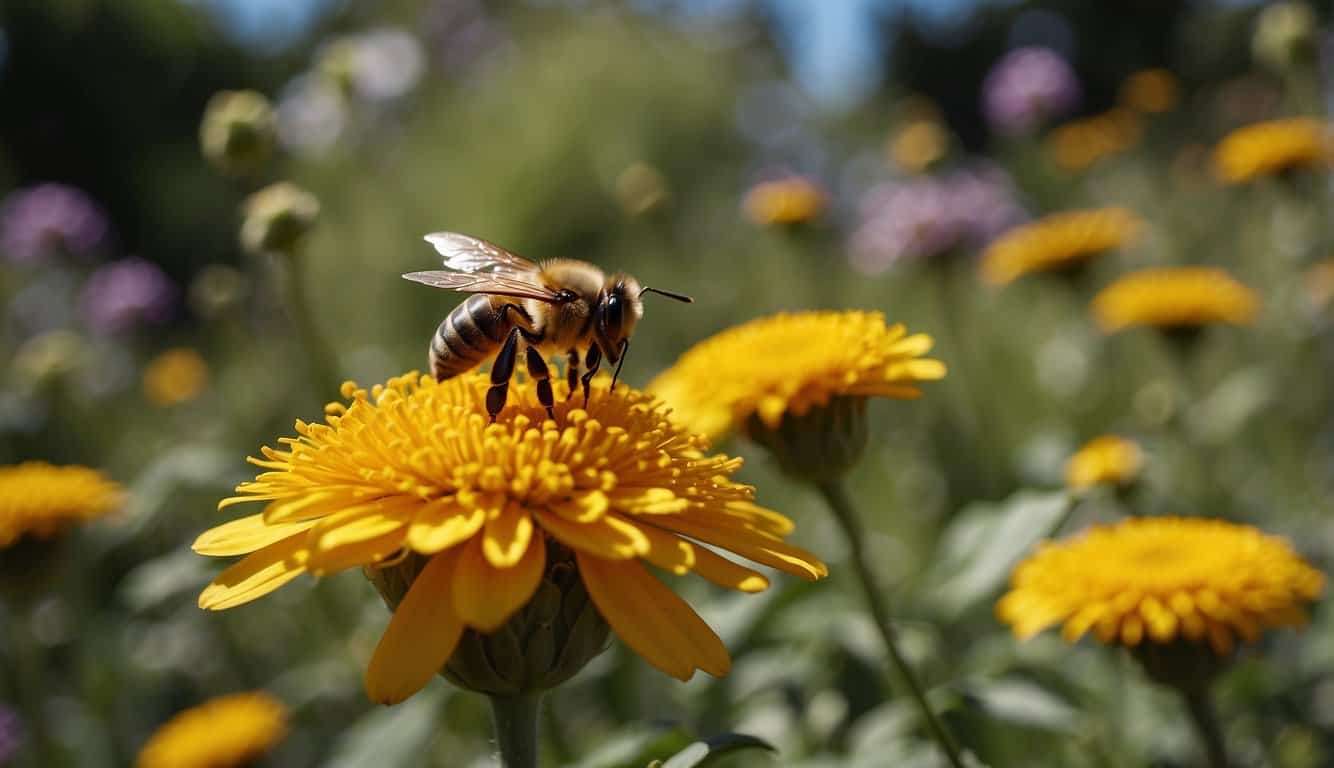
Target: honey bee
[[560, 305]]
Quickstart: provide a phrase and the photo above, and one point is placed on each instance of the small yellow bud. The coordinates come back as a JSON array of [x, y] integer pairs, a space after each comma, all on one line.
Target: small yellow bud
[[277, 218], [238, 131]]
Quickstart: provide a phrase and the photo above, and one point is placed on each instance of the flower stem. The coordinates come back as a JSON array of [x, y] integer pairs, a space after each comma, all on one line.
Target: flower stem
[[516, 728], [1204, 717], [323, 368], [837, 497]]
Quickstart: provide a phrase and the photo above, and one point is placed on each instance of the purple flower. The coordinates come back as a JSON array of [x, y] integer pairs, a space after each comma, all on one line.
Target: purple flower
[[928, 216], [127, 293], [40, 220], [1026, 87], [11, 733]]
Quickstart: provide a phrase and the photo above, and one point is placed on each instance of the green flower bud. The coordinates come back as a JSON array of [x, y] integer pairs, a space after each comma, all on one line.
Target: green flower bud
[[238, 131], [819, 445], [216, 289], [1286, 36], [277, 218], [49, 357], [544, 643]]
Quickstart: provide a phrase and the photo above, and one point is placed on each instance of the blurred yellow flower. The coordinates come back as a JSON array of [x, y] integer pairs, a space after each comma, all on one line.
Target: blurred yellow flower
[[40, 499], [1266, 148], [790, 363], [1058, 241], [225, 732], [1082, 143], [413, 467], [918, 144], [794, 200], [1107, 459], [1174, 297], [1160, 579], [175, 376], [1150, 91]]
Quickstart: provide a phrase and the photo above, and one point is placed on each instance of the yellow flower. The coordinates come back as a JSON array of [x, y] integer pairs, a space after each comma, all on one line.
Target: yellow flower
[[790, 363], [794, 200], [39, 499], [175, 376], [1057, 241], [1266, 148], [1106, 459], [413, 467], [918, 144], [1080, 144], [1150, 90], [226, 732], [1174, 297], [1160, 580]]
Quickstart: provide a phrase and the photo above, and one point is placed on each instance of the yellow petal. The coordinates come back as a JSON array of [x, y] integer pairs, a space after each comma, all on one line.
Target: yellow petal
[[255, 576], [506, 536], [360, 524], [421, 635], [607, 537], [486, 596], [652, 619], [442, 524], [307, 506], [912, 346], [647, 501], [584, 508], [726, 573], [243, 536], [668, 551], [357, 553], [770, 552]]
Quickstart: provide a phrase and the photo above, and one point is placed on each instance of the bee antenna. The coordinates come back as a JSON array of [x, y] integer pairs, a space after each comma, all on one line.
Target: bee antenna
[[678, 296]]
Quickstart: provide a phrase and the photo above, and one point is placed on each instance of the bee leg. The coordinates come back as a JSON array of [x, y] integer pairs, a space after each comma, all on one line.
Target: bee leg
[[625, 347], [591, 361], [537, 368], [501, 370], [571, 372]]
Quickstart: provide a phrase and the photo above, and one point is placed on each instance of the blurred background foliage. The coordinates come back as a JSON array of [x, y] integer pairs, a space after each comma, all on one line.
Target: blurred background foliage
[[628, 135]]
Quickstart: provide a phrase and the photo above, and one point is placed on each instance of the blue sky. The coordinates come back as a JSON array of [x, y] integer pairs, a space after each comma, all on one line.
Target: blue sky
[[831, 44]]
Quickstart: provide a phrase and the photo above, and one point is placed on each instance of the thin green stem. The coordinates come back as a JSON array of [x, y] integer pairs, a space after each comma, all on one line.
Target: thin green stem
[[516, 728], [323, 368], [837, 497], [1205, 719]]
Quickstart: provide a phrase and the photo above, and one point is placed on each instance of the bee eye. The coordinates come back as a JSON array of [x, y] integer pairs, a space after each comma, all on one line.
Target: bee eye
[[611, 313]]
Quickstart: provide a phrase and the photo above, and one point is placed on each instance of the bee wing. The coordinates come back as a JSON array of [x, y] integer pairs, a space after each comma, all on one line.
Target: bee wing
[[466, 282], [473, 254]]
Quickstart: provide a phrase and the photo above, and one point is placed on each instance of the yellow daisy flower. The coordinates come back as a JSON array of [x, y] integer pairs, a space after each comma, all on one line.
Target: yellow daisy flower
[[226, 732], [1267, 148], [175, 376], [1107, 459], [794, 200], [1150, 91], [918, 144], [1080, 144], [1057, 241], [1174, 297], [40, 499], [413, 468], [1160, 580], [790, 363]]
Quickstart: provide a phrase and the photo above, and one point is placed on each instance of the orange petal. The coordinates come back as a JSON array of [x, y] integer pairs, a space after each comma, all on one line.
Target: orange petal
[[506, 536], [357, 553], [652, 619], [486, 596], [256, 575], [726, 573], [243, 536], [421, 635], [761, 549]]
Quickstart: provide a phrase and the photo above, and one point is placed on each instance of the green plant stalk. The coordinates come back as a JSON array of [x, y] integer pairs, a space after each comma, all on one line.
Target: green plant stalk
[[323, 368], [1205, 719], [837, 497], [516, 728]]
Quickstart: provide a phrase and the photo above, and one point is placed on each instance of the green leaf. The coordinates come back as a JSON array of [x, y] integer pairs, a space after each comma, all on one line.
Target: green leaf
[[704, 752], [391, 737], [1025, 703], [982, 546]]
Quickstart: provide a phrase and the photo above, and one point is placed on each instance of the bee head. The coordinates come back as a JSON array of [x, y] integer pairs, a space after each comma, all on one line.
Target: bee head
[[618, 309]]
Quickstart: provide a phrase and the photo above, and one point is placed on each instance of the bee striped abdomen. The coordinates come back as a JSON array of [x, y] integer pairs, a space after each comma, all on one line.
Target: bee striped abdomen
[[469, 335]]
